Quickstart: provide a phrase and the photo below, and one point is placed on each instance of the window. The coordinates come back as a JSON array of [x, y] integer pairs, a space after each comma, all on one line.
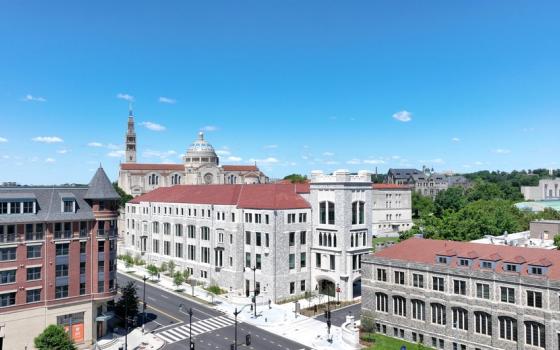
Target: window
[[291, 218], [191, 252], [438, 314], [205, 255], [460, 319], [358, 209], [399, 277], [534, 299], [15, 208], [292, 239], [511, 267], [191, 231], [7, 276], [3, 208], [33, 251], [166, 247], [155, 246], [302, 261], [205, 233], [33, 273], [535, 334], [248, 260], [82, 268], [62, 270], [399, 306], [60, 292], [464, 262], [155, 227], [418, 310], [326, 213], [482, 323], [302, 237], [302, 217], [82, 288], [382, 275], [483, 291], [302, 286], [266, 240], [292, 261], [459, 287], [486, 264], [258, 261], [247, 237], [292, 287], [178, 230], [442, 259], [258, 218], [418, 280], [438, 284], [33, 296], [100, 286], [318, 260], [332, 262], [507, 295], [68, 206], [535, 270], [179, 250], [7, 299], [381, 302], [62, 249], [258, 239], [508, 328]]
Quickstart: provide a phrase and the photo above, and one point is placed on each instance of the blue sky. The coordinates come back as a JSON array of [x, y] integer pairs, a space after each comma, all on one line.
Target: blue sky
[[294, 85]]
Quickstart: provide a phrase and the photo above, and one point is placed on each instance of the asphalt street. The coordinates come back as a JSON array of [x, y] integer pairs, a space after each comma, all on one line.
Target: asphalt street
[[211, 329], [338, 317]]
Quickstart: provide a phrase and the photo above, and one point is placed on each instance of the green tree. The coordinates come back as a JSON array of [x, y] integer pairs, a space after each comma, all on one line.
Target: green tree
[[128, 302], [451, 199], [186, 274], [124, 197], [152, 270], [54, 338], [422, 206], [163, 267], [296, 178], [557, 241], [171, 267], [178, 279]]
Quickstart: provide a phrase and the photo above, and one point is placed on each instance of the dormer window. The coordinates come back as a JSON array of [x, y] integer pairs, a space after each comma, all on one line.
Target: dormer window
[[443, 259], [15, 208], [3, 207], [487, 265], [28, 207], [511, 267], [465, 262], [68, 206], [535, 270]]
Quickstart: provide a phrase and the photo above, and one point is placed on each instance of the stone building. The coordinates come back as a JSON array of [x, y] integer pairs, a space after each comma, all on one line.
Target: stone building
[[458, 295], [391, 209], [547, 189], [298, 237], [426, 181], [57, 261], [201, 165]]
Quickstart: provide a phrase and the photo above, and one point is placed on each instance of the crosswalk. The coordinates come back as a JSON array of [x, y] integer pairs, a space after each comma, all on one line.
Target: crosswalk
[[204, 326]]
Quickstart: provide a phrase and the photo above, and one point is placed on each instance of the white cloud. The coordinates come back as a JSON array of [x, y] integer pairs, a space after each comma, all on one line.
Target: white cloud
[[403, 116], [395, 157], [234, 159], [3, 140], [164, 155], [374, 161], [455, 139], [95, 144], [354, 161], [269, 160], [50, 160], [331, 162], [125, 97], [167, 100], [62, 151], [437, 161], [501, 151], [328, 154], [153, 126], [478, 163], [47, 139], [223, 152], [31, 98], [113, 146], [270, 146], [5, 156], [209, 128], [116, 154]]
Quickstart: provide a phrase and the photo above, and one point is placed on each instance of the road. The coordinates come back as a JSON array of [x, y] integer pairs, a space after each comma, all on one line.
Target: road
[[338, 317], [211, 329]]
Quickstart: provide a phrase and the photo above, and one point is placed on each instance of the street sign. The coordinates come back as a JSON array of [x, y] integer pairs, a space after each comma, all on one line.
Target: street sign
[[403, 347], [338, 290]]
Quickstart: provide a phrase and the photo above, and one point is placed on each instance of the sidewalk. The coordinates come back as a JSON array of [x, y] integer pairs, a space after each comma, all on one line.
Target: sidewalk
[[278, 318], [135, 340]]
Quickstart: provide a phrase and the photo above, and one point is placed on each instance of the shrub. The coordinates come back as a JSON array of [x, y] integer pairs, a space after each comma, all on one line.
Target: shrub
[[171, 268], [163, 267], [215, 289]]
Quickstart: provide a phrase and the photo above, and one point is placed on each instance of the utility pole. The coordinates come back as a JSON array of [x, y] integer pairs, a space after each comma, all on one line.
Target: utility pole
[[254, 268], [191, 344], [144, 303]]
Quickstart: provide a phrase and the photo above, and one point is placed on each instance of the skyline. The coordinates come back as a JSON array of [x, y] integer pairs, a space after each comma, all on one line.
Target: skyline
[[294, 87]]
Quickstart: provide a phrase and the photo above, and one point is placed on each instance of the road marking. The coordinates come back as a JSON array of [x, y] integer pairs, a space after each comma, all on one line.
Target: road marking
[[166, 314], [163, 296], [150, 298], [175, 334]]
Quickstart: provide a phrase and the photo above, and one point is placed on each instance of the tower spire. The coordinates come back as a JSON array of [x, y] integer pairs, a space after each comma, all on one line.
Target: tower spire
[[130, 139]]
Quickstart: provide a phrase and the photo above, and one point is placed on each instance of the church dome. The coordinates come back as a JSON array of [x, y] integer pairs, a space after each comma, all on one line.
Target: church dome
[[200, 151]]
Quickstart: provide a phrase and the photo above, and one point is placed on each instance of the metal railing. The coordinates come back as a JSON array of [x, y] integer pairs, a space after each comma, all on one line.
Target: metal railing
[[8, 238], [62, 234], [34, 236], [112, 232]]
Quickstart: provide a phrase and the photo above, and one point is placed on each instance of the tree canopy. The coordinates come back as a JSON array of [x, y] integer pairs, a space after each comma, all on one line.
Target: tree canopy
[[128, 303], [54, 337], [125, 197], [296, 178]]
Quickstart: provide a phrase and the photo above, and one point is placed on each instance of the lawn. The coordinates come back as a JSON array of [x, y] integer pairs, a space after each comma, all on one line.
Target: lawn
[[382, 342], [378, 240]]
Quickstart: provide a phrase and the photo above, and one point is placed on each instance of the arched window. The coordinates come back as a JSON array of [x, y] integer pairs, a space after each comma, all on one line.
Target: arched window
[[175, 179], [334, 240], [418, 309], [399, 306], [364, 236], [381, 302], [508, 328], [326, 213], [438, 314], [153, 179], [482, 323], [351, 240], [534, 334], [320, 239], [460, 319], [358, 213], [330, 240]]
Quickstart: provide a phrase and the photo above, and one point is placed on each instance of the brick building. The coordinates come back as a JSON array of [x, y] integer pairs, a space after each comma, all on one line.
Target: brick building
[[57, 260], [458, 295]]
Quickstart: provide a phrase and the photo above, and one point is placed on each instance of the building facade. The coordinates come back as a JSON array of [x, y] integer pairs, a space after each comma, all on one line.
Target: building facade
[[201, 165], [391, 209], [547, 189], [296, 237], [426, 182], [57, 261], [457, 295]]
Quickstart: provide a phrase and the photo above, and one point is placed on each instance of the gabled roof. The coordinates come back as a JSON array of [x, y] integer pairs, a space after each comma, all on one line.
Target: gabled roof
[[100, 187], [257, 196], [390, 187], [424, 251], [147, 166], [240, 168]]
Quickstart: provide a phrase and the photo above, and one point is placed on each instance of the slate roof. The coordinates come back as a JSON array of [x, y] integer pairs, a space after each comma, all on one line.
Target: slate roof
[[424, 251], [147, 166], [100, 187], [256, 196], [403, 173]]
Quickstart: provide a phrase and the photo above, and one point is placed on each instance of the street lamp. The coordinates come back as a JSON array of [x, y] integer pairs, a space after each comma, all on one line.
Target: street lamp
[[338, 294], [144, 302], [191, 344], [125, 319], [235, 313], [254, 268]]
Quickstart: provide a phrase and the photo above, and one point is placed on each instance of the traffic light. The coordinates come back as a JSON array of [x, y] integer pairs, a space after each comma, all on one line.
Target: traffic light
[[192, 346], [253, 299], [232, 347], [248, 339]]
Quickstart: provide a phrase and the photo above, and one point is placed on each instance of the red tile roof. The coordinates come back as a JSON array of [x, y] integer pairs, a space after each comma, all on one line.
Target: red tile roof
[[258, 196], [240, 168], [390, 187], [424, 251], [146, 166]]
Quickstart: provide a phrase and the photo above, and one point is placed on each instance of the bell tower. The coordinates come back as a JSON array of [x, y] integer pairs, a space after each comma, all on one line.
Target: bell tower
[[130, 140]]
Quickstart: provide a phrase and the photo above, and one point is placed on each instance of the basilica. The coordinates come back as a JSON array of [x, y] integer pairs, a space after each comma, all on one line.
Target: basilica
[[201, 165]]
